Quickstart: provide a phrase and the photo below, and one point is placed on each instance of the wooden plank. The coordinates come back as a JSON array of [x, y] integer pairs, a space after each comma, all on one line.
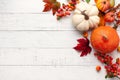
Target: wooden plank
[[44, 57], [22, 6], [26, 6], [51, 73], [34, 22], [39, 39], [47, 57]]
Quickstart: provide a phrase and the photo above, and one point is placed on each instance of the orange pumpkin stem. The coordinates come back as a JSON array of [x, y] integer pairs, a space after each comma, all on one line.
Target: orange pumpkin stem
[[104, 37]]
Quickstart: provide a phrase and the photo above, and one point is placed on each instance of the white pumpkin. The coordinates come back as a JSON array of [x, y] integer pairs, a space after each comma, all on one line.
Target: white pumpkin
[[85, 16]]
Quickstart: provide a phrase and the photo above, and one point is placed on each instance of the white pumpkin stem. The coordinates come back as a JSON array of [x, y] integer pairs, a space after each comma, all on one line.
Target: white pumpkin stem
[[85, 15]]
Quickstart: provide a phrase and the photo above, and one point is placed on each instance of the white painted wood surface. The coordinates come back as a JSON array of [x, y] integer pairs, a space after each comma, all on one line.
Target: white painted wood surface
[[35, 46]]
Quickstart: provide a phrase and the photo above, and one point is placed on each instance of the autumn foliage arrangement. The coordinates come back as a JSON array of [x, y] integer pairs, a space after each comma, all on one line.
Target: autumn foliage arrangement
[[101, 20]]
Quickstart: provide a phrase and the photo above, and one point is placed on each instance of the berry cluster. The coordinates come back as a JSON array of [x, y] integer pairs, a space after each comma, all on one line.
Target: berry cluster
[[117, 15], [117, 18], [63, 11], [113, 15], [104, 58], [66, 9], [112, 69]]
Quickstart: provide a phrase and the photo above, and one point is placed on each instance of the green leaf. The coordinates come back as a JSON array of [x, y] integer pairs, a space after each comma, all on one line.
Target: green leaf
[[106, 76], [87, 1]]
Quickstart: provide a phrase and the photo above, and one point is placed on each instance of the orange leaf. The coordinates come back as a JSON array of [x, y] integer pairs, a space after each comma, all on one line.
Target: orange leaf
[[51, 5], [55, 7], [49, 1], [47, 7]]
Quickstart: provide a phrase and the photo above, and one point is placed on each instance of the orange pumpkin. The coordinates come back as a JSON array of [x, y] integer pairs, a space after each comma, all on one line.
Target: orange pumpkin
[[109, 17], [104, 39], [103, 5]]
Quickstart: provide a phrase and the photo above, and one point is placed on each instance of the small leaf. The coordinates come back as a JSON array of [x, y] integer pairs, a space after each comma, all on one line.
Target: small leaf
[[83, 47], [53, 5], [106, 76], [87, 1], [46, 1], [47, 7]]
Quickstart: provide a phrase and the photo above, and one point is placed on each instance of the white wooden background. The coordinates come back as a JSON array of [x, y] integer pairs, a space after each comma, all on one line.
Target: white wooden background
[[35, 46]]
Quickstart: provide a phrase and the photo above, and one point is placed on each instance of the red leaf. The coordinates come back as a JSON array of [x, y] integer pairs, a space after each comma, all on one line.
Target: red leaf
[[83, 46], [86, 51], [79, 47], [83, 41], [47, 1], [51, 5], [47, 7]]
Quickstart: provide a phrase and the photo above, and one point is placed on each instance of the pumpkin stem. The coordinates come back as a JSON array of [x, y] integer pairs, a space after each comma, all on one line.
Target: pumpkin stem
[[105, 38], [104, 2], [85, 15]]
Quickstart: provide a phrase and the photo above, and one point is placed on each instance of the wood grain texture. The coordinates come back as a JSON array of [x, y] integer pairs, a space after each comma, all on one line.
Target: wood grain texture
[[50, 73], [35, 46], [23, 6], [44, 57], [39, 39], [27, 6], [34, 22]]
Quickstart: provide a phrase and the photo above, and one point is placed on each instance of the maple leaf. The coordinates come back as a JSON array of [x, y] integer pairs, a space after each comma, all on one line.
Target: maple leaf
[[83, 46], [53, 5]]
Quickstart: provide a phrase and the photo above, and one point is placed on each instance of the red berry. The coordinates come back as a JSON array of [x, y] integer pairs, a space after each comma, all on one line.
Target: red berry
[[67, 13], [98, 68]]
